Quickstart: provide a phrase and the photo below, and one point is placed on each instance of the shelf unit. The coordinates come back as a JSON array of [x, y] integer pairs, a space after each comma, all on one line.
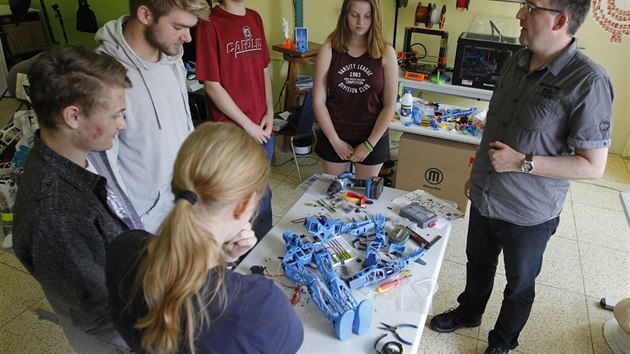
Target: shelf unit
[[450, 157], [442, 133], [448, 89], [294, 58], [445, 89]]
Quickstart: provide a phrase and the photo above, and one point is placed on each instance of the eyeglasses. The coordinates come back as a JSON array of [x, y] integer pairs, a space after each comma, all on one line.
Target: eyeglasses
[[532, 7]]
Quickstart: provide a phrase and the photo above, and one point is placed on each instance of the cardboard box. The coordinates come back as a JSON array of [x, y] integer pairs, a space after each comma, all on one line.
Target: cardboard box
[[437, 166]]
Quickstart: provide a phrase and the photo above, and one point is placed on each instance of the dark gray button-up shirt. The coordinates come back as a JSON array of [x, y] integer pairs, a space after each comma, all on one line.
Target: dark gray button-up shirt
[[564, 105], [62, 227]]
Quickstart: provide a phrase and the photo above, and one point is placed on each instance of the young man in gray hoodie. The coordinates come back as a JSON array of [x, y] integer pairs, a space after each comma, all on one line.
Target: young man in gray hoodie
[[148, 42]]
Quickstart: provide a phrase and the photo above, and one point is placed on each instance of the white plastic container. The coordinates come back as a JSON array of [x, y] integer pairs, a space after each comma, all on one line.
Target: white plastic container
[[406, 106]]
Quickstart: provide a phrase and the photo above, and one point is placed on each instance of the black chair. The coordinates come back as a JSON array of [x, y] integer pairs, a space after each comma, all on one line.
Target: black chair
[[300, 123]]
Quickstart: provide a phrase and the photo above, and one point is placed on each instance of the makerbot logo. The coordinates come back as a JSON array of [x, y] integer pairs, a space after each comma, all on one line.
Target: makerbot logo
[[434, 176]]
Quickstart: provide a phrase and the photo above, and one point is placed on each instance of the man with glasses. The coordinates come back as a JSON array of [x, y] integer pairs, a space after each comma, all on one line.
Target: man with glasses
[[530, 6], [549, 121]]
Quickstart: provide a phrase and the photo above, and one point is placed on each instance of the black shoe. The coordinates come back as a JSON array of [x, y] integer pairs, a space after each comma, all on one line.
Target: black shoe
[[496, 350], [451, 320]]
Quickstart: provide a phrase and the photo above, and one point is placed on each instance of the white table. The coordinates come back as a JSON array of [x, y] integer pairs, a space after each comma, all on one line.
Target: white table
[[406, 303], [625, 201]]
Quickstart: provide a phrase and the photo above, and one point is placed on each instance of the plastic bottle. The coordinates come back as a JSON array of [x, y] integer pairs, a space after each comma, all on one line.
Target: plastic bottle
[[406, 106], [7, 228]]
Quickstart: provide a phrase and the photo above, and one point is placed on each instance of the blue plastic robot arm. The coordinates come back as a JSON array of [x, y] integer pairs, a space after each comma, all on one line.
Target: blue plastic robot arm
[[375, 273], [358, 228], [379, 221], [458, 113], [367, 276], [377, 224]]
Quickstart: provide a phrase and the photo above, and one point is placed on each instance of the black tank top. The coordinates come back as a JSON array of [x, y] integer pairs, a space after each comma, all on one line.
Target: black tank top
[[355, 94]]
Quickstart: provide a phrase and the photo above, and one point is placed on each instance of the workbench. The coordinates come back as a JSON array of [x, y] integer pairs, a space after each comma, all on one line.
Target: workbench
[[409, 302]]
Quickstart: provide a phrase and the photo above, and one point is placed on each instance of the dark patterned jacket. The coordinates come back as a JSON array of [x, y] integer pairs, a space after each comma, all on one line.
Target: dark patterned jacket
[[62, 229]]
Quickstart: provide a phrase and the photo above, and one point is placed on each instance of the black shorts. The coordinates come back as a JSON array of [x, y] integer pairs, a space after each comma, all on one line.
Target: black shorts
[[380, 154]]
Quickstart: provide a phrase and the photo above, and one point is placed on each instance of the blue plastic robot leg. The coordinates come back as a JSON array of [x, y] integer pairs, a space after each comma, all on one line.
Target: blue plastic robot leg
[[295, 271], [339, 289], [362, 317], [324, 261], [343, 325], [340, 320], [362, 311], [342, 294]]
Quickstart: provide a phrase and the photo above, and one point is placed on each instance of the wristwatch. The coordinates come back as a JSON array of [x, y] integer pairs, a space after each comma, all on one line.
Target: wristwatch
[[527, 166]]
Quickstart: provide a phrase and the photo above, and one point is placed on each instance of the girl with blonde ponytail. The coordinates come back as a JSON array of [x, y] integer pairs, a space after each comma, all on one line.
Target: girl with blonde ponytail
[[172, 292]]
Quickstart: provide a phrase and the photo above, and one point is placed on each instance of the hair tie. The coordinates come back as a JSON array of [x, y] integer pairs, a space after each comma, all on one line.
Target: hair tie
[[188, 195]]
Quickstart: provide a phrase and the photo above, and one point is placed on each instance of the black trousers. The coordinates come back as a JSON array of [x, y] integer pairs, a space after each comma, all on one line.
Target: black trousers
[[523, 248]]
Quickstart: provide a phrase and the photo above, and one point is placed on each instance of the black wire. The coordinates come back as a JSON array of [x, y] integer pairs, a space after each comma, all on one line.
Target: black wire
[[275, 106], [423, 47]]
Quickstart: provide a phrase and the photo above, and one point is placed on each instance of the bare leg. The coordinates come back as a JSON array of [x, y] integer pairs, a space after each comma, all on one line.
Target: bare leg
[[335, 168], [367, 171]]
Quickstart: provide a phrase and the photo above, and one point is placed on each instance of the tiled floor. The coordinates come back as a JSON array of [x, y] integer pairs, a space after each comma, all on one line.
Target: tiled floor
[[587, 259]]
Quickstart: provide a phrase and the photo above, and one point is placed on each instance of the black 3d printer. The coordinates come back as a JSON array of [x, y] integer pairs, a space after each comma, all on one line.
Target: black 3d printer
[[481, 55]]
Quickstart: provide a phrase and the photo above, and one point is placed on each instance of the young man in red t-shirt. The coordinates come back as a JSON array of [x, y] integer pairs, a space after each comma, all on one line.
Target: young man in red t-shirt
[[232, 62]]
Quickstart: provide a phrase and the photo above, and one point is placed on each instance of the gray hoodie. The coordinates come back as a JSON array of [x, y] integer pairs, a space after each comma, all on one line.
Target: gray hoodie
[[158, 121]]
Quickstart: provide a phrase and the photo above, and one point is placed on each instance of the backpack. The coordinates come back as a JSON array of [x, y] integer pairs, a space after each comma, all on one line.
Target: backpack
[[86, 19]]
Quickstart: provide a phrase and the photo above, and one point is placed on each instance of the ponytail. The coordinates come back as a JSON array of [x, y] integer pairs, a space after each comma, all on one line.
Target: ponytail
[[218, 165], [174, 274]]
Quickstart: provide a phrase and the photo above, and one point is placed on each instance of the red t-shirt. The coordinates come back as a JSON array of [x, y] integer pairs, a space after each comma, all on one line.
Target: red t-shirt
[[232, 51]]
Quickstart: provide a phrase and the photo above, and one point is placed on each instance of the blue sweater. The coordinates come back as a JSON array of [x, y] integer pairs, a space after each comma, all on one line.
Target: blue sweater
[[259, 317]]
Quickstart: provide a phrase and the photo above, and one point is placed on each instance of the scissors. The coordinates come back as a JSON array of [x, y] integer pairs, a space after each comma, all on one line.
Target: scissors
[[394, 330]]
